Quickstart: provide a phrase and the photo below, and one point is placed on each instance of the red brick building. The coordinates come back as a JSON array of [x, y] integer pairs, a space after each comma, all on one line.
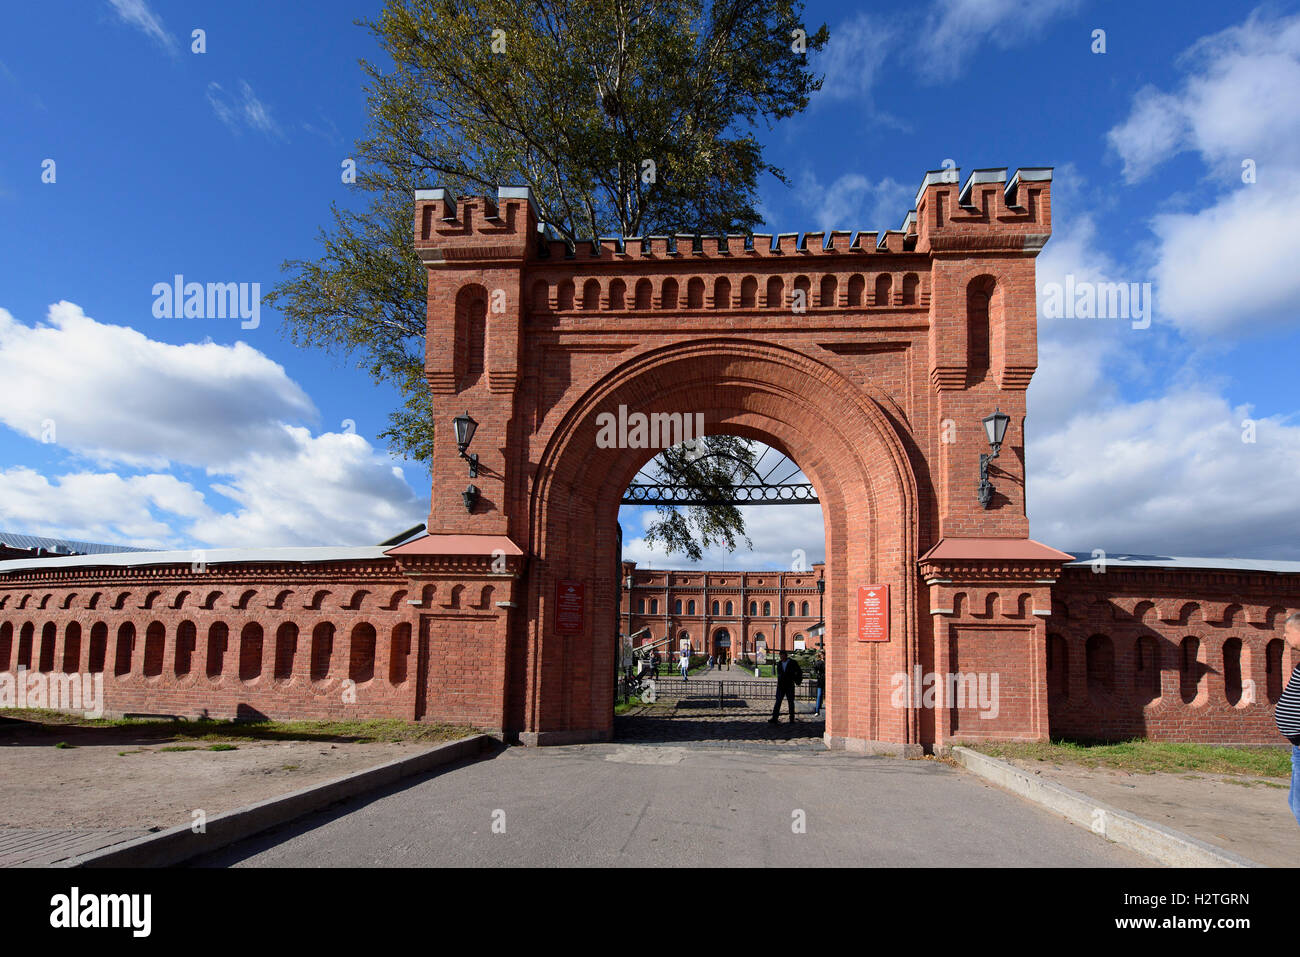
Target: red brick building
[[872, 360], [720, 613]]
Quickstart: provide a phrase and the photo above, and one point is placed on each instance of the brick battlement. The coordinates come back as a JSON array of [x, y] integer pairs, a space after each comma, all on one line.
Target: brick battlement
[[990, 211]]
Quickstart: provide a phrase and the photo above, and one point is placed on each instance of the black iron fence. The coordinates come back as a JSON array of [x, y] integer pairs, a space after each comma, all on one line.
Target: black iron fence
[[706, 691]]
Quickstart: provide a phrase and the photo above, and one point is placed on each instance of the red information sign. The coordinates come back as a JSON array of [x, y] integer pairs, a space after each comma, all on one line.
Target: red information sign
[[570, 604], [873, 613]]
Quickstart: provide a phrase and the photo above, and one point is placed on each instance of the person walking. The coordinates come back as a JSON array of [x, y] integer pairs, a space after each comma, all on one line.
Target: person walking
[[788, 675], [1287, 712], [685, 664], [819, 675]]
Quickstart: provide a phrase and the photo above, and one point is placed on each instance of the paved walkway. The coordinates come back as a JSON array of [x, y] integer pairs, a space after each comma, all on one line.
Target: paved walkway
[[1245, 814], [641, 805], [38, 846]]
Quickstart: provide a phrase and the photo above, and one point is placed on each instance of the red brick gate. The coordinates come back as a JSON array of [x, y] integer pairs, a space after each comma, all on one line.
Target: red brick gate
[[870, 359]]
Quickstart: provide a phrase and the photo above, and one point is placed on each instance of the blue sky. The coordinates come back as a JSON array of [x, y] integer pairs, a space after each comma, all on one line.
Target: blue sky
[[219, 166]]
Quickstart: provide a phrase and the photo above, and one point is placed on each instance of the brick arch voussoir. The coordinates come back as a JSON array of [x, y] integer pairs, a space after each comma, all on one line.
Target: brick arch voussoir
[[779, 384]]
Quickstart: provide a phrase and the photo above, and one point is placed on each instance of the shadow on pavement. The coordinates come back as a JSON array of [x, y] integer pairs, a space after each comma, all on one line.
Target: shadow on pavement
[[251, 846], [678, 727]]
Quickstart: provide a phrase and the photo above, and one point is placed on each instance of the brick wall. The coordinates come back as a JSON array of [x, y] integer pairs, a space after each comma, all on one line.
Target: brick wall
[[1169, 654], [329, 641]]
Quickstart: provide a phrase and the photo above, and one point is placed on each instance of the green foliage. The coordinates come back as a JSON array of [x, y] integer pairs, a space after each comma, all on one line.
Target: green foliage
[[571, 100], [710, 468]]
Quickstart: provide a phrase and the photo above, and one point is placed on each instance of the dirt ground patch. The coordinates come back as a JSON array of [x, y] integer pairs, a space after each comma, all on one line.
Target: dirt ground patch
[[1241, 813], [126, 777]]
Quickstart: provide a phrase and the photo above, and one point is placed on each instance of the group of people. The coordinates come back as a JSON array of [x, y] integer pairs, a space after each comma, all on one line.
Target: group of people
[[684, 662]]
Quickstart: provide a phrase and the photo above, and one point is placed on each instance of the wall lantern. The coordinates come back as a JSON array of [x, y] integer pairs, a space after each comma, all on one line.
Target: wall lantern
[[465, 428], [470, 495], [995, 426]]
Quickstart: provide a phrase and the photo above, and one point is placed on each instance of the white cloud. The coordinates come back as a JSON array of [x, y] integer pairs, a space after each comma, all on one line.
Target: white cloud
[[125, 400], [137, 14], [852, 201], [1240, 99], [97, 506], [1168, 475], [116, 395], [956, 28], [332, 488], [1231, 267], [1227, 266], [854, 56], [245, 111], [1154, 131]]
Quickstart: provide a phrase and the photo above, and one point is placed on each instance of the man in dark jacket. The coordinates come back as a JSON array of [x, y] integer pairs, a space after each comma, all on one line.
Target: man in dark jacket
[[788, 675], [1287, 714]]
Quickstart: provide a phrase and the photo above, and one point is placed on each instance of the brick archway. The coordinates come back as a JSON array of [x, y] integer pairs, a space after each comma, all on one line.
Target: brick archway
[[869, 358], [838, 433]]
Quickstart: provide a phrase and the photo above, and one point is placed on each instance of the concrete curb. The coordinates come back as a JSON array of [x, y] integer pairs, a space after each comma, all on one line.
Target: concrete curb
[[178, 844], [1164, 844]]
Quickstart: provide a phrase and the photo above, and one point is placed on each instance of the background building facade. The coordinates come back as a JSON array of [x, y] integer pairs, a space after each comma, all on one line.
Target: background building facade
[[722, 613]]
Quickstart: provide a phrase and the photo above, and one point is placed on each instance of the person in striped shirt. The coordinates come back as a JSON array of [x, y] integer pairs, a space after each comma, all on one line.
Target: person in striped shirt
[[1287, 714]]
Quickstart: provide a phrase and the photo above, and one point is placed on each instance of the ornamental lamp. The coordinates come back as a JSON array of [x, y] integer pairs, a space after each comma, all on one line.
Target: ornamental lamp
[[995, 426], [470, 495], [465, 429]]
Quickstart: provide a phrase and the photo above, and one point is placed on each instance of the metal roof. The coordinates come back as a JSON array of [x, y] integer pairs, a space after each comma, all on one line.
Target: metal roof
[[65, 545], [1173, 561], [118, 557], [211, 556]]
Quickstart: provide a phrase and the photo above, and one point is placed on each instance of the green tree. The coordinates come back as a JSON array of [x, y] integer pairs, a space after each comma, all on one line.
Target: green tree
[[710, 468], [623, 117]]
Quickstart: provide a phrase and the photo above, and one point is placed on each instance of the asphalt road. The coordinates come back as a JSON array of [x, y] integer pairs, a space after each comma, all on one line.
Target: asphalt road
[[645, 805]]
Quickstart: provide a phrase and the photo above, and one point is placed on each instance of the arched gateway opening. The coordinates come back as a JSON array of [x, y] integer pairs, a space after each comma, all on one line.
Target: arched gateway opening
[[886, 404], [846, 446], [748, 611]]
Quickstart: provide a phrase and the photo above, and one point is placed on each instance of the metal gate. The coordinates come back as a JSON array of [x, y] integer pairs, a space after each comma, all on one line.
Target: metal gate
[[739, 694]]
